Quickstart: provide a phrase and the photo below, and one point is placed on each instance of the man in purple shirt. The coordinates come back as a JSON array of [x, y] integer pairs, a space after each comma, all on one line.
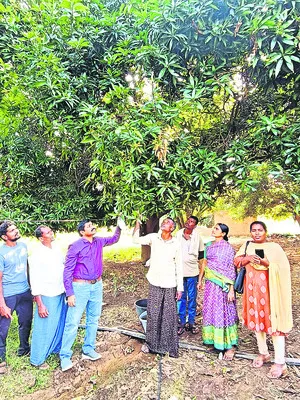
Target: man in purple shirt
[[84, 289]]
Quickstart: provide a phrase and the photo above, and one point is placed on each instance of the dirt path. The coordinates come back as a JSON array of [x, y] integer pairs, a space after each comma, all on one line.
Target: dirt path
[[126, 373]]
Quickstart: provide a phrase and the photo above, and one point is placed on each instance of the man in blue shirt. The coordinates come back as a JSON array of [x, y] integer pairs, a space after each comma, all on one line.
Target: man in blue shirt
[[15, 294]]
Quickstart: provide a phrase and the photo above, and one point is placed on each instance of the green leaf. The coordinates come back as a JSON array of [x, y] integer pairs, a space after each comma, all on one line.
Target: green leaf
[[278, 67], [162, 73], [78, 43], [273, 43], [297, 59], [289, 63], [289, 41]]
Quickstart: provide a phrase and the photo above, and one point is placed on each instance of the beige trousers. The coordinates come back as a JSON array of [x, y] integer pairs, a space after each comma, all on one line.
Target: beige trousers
[[279, 346]]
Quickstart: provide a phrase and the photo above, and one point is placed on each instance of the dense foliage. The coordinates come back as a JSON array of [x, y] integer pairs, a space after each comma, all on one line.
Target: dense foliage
[[144, 106], [271, 195]]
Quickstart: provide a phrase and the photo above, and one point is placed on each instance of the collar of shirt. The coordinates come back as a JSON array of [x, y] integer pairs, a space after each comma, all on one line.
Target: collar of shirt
[[172, 240]]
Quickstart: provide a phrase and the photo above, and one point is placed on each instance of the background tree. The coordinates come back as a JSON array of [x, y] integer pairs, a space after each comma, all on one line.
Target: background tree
[[144, 107], [272, 194]]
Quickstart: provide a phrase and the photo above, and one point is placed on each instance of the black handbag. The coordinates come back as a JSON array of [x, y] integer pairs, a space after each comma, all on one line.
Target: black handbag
[[239, 281]]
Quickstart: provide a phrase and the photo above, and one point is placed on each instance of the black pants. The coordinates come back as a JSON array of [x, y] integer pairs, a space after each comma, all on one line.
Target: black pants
[[161, 332], [22, 304]]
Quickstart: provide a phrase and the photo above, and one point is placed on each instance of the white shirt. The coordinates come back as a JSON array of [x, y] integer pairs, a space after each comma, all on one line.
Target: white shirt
[[46, 267], [165, 264], [190, 256]]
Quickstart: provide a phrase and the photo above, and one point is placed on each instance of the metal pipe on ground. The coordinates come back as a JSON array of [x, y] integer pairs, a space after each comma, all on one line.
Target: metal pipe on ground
[[185, 345]]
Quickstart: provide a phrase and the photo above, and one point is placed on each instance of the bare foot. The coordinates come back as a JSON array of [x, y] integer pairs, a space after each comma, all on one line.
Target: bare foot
[[260, 360], [145, 349], [3, 368], [229, 354]]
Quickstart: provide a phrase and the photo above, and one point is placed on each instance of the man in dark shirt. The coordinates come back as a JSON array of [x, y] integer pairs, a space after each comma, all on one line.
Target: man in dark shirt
[[84, 289]]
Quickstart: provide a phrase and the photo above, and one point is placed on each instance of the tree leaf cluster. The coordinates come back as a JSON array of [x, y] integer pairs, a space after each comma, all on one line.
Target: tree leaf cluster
[[143, 107]]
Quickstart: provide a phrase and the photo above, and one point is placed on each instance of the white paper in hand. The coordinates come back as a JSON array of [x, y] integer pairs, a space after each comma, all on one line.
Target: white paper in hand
[[121, 224]]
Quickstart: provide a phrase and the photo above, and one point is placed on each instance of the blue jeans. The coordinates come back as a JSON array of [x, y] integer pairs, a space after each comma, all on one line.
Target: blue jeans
[[22, 304], [87, 297], [188, 303]]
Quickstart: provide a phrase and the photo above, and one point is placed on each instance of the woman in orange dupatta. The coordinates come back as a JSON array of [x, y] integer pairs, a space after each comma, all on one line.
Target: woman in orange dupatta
[[267, 304]]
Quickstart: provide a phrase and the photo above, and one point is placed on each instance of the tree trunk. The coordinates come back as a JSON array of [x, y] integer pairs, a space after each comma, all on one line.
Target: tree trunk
[[151, 226]]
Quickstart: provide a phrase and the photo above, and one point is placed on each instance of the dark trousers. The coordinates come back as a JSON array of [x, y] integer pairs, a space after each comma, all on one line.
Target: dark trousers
[[22, 304]]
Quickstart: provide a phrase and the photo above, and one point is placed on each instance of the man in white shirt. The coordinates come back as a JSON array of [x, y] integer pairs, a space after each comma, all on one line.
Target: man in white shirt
[[165, 286], [192, 246], [46, 266]]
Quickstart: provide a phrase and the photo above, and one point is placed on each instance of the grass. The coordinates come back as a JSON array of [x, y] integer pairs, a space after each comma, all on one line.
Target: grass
[[121, 254], [22, 378]]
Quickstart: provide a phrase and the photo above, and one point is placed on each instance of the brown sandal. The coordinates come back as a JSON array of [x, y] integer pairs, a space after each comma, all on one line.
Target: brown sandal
[[277, 371], [260, 360], [181, 330]]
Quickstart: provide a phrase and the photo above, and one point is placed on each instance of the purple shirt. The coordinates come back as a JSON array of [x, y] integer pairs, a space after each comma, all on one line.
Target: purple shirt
[[84, 259]]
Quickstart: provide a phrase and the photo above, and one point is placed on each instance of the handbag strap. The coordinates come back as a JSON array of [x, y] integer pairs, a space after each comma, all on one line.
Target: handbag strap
[[244, 255], [247, 243]]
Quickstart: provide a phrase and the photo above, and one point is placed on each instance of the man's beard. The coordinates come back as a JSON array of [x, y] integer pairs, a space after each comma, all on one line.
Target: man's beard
[[15, 239]]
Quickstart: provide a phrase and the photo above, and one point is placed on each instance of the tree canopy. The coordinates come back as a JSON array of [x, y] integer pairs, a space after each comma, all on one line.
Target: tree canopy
[[145, 107]]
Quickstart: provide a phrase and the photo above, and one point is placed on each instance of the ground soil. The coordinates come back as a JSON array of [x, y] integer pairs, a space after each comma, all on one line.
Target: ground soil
[[124, 372]]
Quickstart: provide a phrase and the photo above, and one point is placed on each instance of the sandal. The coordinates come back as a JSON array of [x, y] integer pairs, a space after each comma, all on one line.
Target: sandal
[[277, 371], [43, 366], [193, 329], [181, 330], [229, 355], [260, 360]]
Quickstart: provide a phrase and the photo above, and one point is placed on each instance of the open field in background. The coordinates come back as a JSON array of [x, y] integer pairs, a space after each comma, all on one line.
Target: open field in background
[[124, 250]]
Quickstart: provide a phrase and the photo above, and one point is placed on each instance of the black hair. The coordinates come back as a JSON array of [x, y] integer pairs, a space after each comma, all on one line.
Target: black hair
[[195, 219], [80, 226], [224, 229], [4, 226], [258, 223], [38, 232]]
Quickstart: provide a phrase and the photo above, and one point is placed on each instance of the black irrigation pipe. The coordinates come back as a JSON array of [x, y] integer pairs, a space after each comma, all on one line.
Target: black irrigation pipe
[[185, 345]]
